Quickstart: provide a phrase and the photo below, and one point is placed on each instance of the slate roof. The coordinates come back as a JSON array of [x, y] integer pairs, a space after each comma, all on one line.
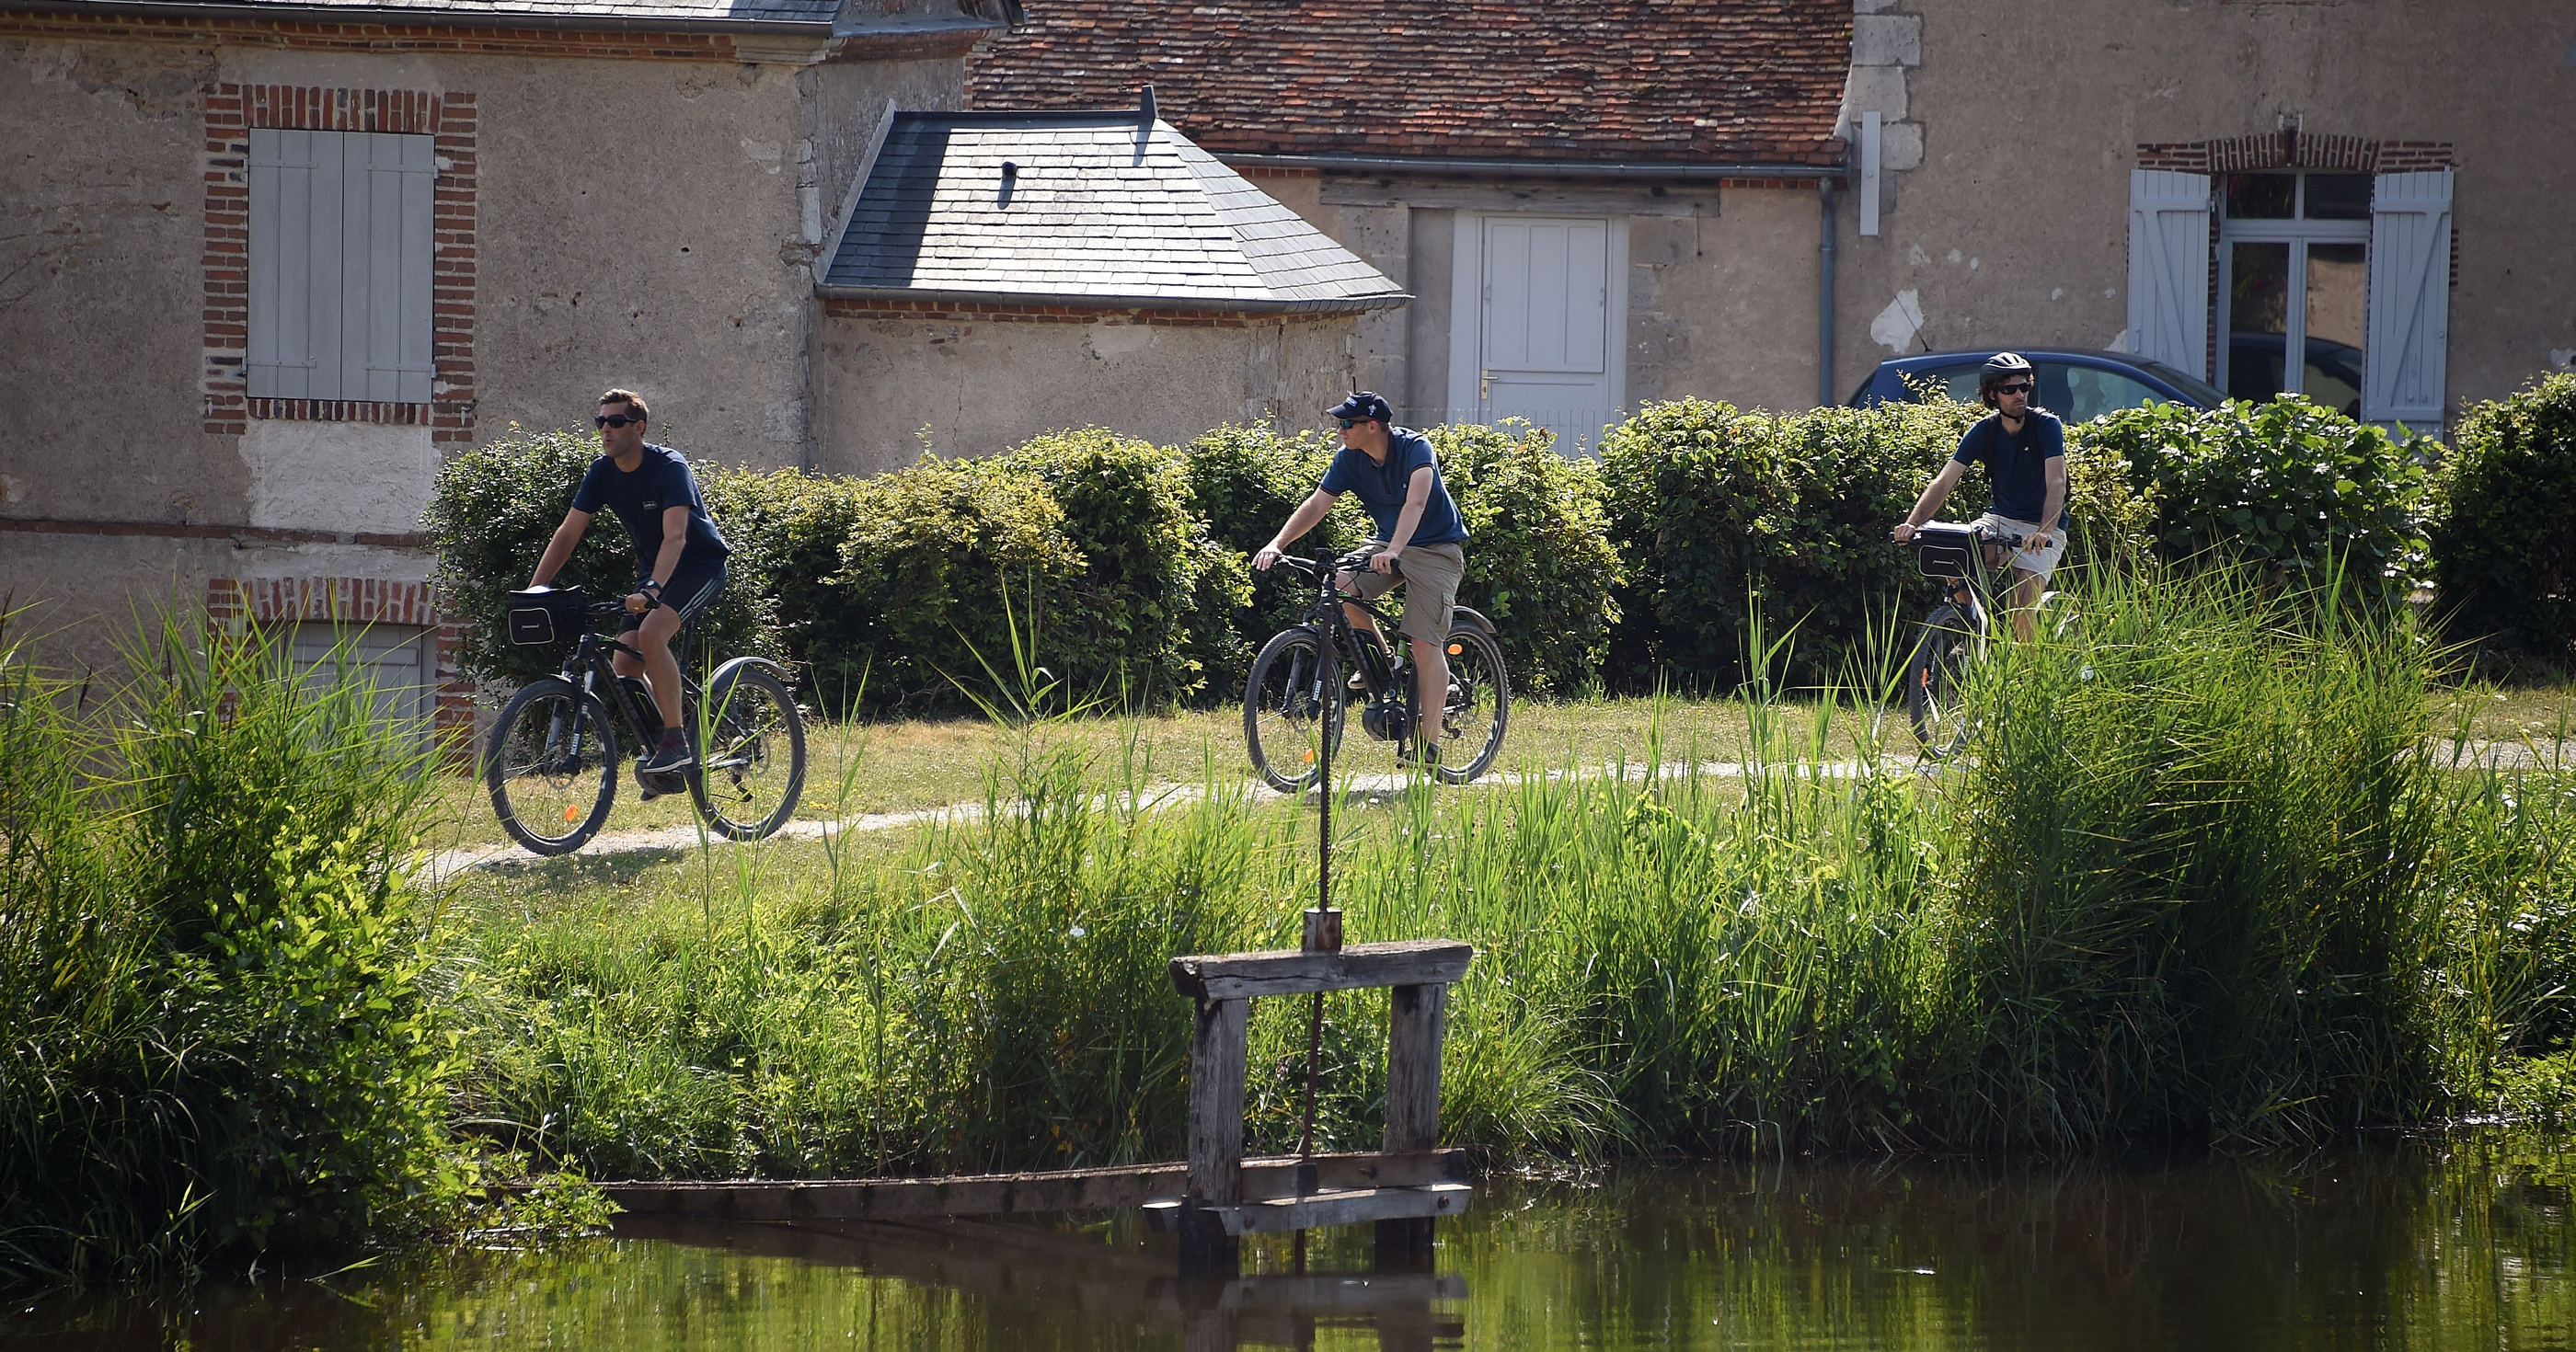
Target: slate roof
[[1702, 81], [1104, 210], [819, 17]]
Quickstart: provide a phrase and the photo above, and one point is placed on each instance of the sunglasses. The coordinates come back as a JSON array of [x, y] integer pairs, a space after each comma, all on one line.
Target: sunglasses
[[2018, 387], [614, 420], [1349, 423]]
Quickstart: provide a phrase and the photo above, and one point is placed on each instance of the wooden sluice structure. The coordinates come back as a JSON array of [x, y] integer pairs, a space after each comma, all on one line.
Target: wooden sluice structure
[[1216, 1196]]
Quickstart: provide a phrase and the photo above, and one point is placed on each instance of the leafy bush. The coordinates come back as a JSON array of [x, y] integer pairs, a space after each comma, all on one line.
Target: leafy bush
[[2504, 542], [215, 975], [1714, 510], [2294, 489], [1243, 483], [1540, 564], [491, 512]]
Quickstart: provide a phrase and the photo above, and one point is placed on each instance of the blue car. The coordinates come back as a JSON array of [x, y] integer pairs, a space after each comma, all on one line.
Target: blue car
[[2076, 384]]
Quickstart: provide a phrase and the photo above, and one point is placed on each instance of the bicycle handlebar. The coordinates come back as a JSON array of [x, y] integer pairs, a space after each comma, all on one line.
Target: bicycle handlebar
[[1353, 562], [2005, 538]]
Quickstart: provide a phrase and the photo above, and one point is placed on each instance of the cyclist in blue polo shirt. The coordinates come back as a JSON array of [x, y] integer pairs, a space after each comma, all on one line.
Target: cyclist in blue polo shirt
[[2023, 448], [679, 555], [1397, 476]]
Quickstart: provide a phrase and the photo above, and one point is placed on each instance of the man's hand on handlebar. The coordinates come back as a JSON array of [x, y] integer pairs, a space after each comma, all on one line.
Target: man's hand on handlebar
[[1387, 560], [1264, 557], [1903, 533]]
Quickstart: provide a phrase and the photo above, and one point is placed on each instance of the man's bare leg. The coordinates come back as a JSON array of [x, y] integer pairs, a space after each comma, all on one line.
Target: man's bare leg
[[1431, 688], [2026, 590], [660, 669]]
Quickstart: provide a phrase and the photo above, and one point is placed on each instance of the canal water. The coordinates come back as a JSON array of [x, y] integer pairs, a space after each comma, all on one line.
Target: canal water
[[2448, 1244]]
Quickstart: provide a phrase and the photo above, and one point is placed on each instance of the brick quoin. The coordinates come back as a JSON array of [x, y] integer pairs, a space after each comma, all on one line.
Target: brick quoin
[[231, 111], [237, 604]]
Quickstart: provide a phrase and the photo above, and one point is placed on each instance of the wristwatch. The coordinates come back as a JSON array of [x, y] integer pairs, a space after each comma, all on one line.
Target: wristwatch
[[651, 588]]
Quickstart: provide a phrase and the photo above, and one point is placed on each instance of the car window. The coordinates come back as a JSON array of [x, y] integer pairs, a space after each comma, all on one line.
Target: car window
[[2092, 391], [1958, 382], [2192, 386]]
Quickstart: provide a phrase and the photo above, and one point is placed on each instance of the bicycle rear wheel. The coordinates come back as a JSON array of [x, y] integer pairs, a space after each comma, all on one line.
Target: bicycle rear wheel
[[1932, 684], [1288, 714], [1480, 706], [752, 768], [551, 766]]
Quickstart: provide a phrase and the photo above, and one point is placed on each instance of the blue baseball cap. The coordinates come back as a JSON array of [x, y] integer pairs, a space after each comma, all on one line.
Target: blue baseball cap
[[1363, 405]]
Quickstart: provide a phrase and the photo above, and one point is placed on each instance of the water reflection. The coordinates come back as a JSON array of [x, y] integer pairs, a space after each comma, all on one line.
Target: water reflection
[[2443, 1245]]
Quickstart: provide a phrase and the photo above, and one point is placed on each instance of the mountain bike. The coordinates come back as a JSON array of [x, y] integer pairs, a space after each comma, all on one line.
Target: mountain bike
[[1958, 630], [1297, 701], [552, 761]]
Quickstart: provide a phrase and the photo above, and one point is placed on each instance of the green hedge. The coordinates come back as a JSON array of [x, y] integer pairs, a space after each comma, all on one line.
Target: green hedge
[[2290, 487], [1129, 561], [2504, 538], [1715, 510]]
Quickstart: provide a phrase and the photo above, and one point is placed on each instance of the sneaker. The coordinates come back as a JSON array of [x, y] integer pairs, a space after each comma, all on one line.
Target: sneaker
[[1415, 755], [652, 786], [667, 757]]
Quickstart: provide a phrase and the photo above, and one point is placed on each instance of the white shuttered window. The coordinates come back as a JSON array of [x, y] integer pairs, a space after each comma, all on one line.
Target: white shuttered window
[[2169, 268], [340, 265], [2410, 297]]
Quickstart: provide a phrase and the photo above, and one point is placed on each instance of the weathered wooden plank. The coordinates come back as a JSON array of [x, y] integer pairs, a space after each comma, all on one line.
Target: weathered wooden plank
[[1417, 1017], [1115, 1188], [1353, 1207], [1288, 971], [1217, 1050]]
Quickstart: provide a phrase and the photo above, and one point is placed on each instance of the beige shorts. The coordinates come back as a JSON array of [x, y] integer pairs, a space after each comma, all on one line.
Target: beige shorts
[[2039, 561], [1431, 577]]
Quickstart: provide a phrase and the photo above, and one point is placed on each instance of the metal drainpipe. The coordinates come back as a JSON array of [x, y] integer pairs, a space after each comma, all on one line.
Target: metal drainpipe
[[1825, 300]]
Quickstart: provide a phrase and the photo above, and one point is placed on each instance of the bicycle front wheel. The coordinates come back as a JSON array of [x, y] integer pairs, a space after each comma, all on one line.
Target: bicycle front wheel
[[1480, 706], [551, 766], [752, 768], [1288, 713], [1932, 685]]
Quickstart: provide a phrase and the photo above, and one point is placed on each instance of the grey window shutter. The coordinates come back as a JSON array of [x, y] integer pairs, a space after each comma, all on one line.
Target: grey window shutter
[[2410, 298], [340, 262], [2169, 268]]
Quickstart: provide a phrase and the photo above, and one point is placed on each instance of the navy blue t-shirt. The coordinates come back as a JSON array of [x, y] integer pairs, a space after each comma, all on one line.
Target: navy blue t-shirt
[[2018, 465], [661, 482], [1381, 488]]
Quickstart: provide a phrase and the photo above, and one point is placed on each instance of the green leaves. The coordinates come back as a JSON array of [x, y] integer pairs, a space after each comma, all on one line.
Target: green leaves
[[2504, 533]]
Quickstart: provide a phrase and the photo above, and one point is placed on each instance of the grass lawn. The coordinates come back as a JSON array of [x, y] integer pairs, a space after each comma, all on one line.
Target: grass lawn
[[858, 768]]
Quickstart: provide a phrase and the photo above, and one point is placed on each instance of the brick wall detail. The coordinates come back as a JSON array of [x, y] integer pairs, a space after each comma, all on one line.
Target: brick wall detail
[[238, 603], [231, 111], [2294, 149]]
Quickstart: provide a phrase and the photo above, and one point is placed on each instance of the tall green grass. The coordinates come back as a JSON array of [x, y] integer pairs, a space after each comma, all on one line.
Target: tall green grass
[[2205, 876], [220, 1010]]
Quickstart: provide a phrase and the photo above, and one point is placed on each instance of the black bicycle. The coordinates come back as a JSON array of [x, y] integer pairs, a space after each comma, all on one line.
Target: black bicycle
[[1967, 559], [552, 761], [1297, 699]]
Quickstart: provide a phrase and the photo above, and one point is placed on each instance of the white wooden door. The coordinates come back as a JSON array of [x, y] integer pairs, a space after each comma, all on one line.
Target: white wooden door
[[2169, 268], [2410, 295], [1539, 327]]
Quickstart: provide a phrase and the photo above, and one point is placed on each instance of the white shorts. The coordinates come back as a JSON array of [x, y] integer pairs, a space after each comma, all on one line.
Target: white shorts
[[2041, 562]]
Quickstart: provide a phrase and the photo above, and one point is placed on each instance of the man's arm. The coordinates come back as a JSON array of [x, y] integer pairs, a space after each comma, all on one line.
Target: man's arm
[[1934, 494], [1300, 521], [1417, 491], [2053, 470], [576, 522], [675, 538]]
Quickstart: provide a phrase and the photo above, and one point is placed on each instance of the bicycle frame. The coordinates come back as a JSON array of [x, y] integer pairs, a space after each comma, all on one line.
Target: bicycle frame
[[591, 666], [1374, 660]]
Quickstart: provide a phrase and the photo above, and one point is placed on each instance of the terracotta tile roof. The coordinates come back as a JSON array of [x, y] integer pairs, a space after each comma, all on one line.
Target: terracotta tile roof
[[846, 15], [1709, 81], [1098, 209]]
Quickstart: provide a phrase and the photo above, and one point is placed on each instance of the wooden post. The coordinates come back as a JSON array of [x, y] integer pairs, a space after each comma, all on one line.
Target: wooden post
[[1416, 1018], [1217, 1051]]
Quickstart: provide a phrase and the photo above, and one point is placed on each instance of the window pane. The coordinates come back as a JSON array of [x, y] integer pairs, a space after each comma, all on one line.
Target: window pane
[[2338, 197], [1962, 381], [2092, 392], [2261, 197], [2258, 318], [2337, 325]]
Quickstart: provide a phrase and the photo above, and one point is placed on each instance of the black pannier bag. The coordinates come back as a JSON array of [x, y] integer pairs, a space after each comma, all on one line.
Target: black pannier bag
[[1944, 551], [542, 615]]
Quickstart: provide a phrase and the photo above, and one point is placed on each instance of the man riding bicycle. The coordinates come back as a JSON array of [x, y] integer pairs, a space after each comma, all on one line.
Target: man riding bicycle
[[679, 555], [1397, 476], [2024, 451]]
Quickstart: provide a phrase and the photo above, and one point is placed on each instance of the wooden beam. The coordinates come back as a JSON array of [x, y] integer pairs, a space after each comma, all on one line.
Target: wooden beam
[[1353, 1207], [1288, 971], [1111, 1189]]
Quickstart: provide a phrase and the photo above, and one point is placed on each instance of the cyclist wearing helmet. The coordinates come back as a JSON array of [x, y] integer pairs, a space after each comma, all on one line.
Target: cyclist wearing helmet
[[2024, 451], [1397, 476]]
